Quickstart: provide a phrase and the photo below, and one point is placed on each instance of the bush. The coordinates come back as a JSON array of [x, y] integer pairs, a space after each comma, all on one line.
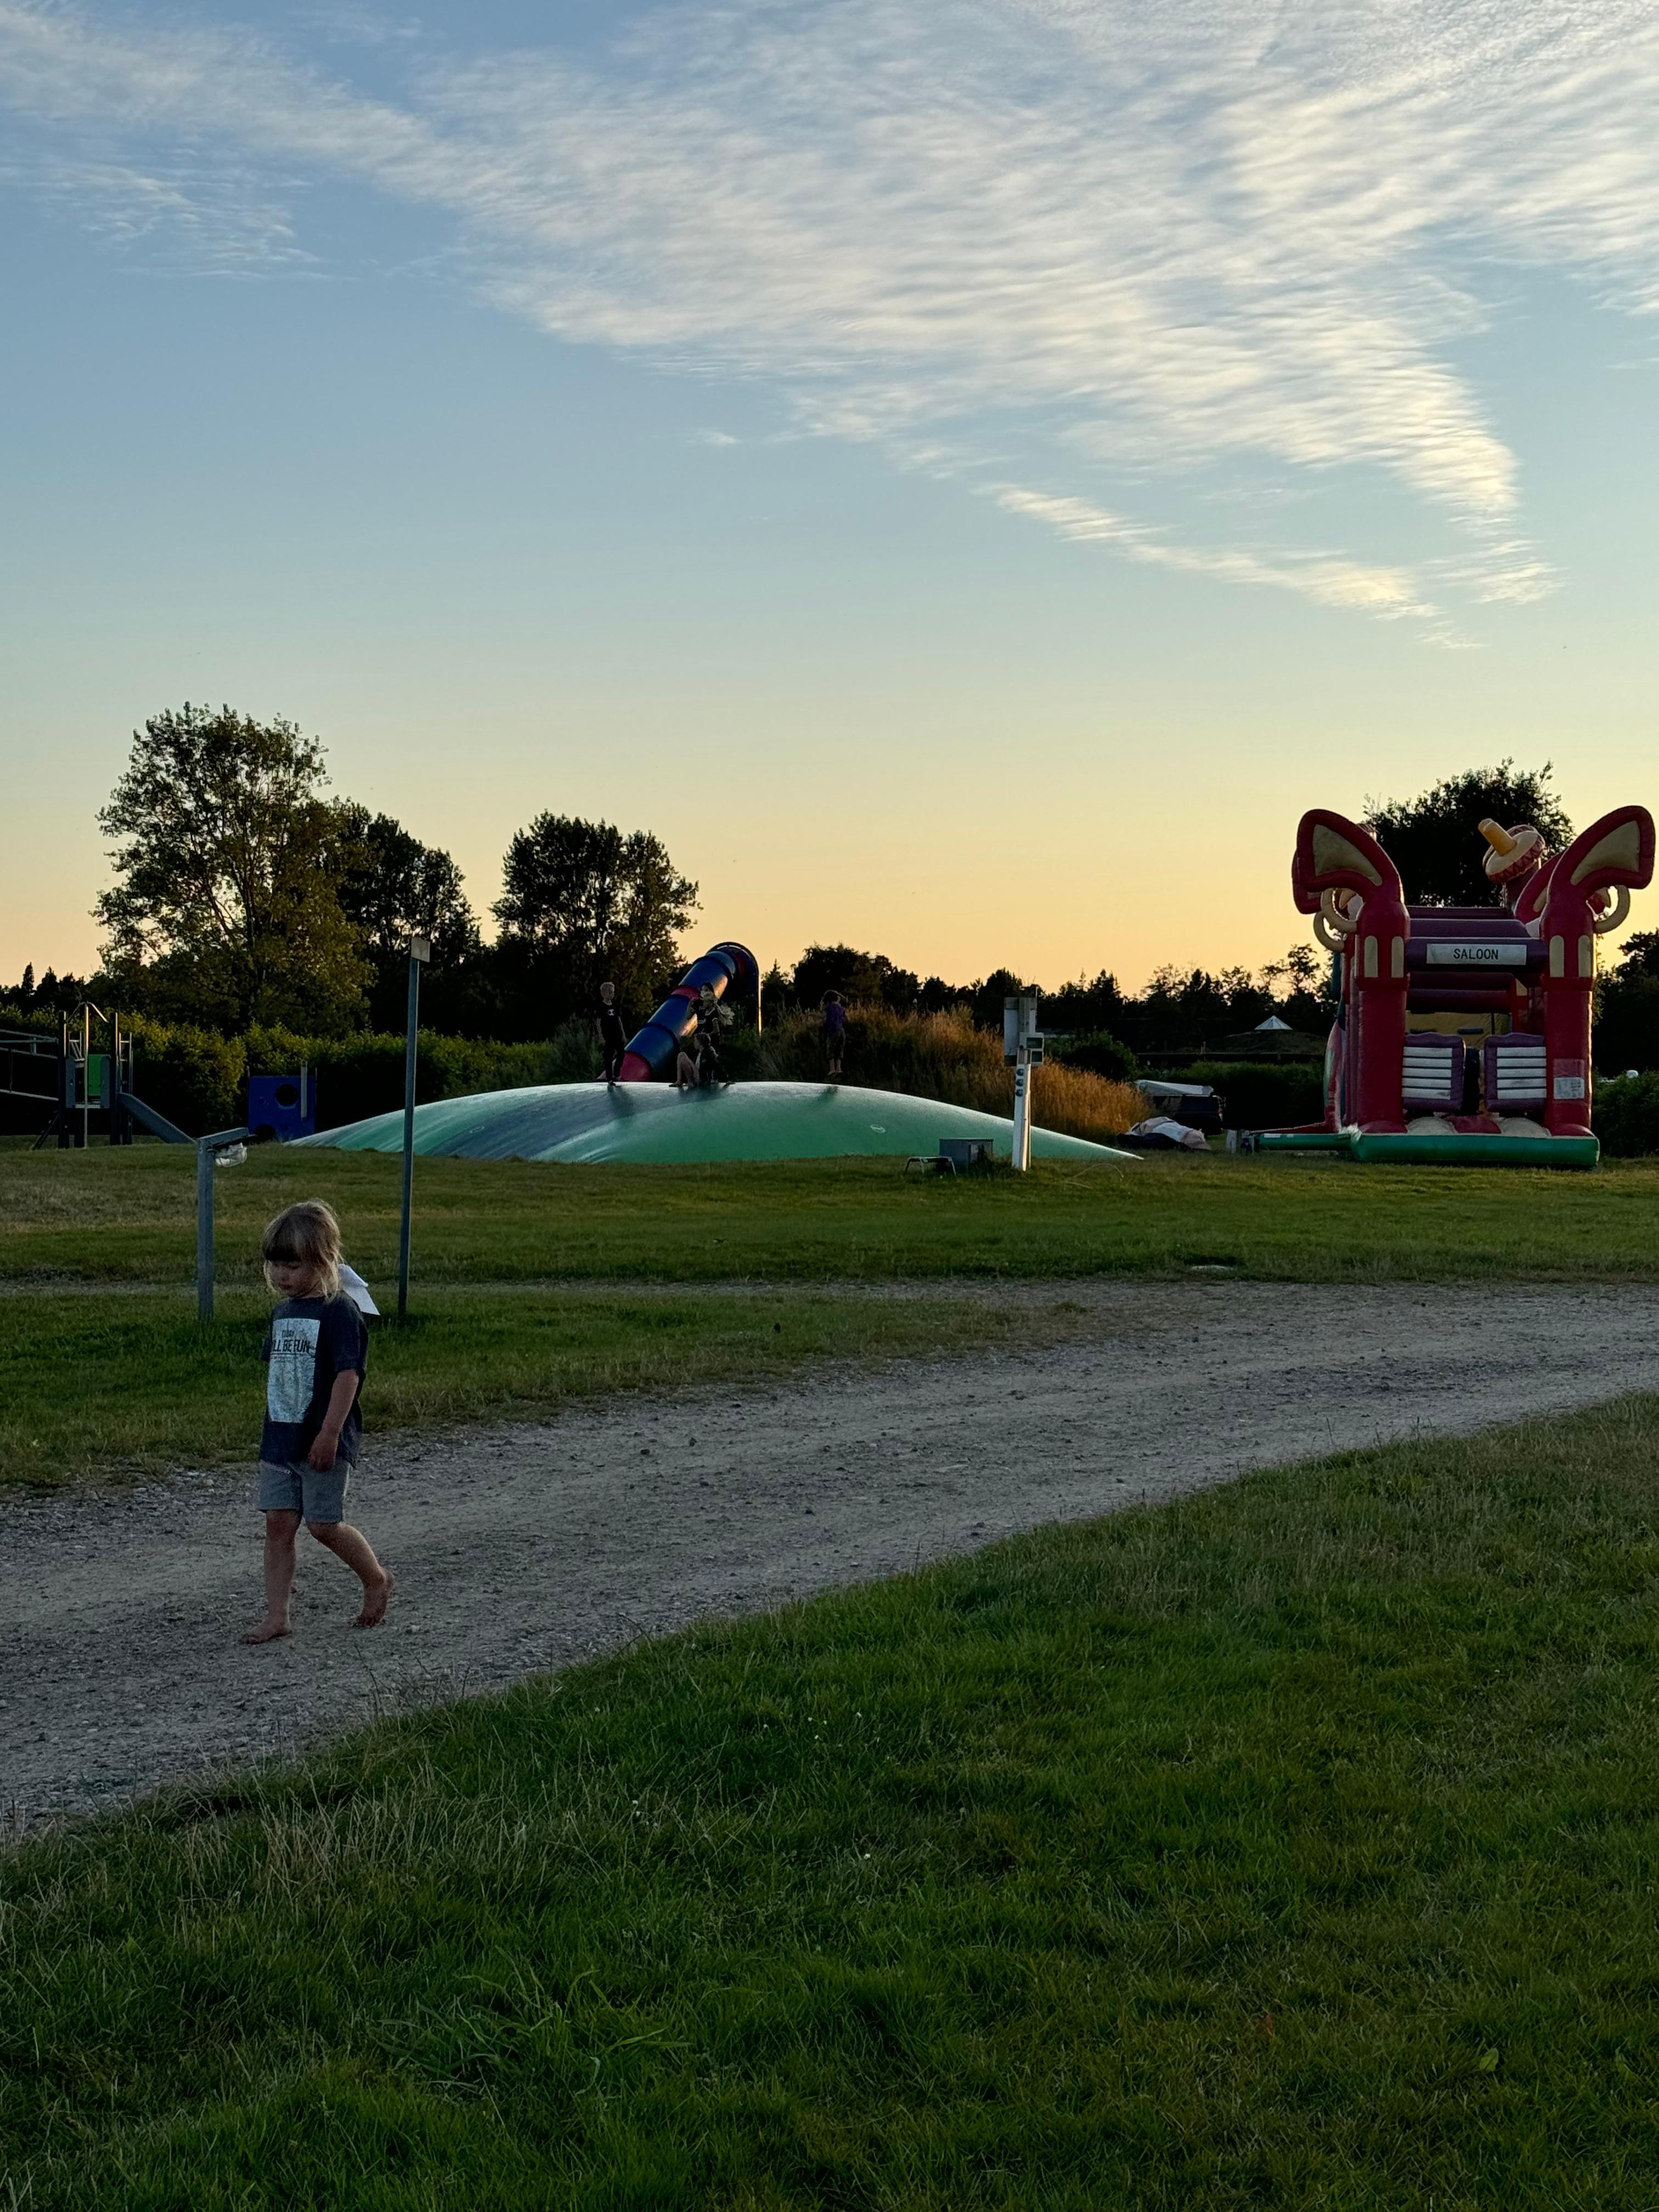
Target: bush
[[361, 1075], [944, 1056], [1626, 1116], [1101, 1053], [1262, 1094], [198, 1080], [1627, 1019], [573, 1053]]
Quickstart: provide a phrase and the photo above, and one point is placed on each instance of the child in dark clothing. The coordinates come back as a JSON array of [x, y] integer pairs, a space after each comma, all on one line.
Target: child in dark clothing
[[834, 1028], [613, 1032], [712, 1019], [317, 1351]]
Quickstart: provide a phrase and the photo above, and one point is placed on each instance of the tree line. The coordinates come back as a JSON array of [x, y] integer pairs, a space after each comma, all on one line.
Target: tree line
[[245, 894]]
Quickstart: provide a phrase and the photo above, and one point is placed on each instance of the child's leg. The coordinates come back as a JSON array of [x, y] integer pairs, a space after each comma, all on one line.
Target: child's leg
[[351, 1546], [281, 1530]]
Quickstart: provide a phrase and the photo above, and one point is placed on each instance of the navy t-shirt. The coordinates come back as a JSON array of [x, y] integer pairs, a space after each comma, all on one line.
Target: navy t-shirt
[[310, 1341]]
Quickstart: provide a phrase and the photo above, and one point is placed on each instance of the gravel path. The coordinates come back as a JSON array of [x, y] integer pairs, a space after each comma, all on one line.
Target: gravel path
[[523, 1548]]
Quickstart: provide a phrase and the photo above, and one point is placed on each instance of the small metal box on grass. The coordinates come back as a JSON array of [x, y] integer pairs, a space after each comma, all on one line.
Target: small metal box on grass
[[965, 1151]]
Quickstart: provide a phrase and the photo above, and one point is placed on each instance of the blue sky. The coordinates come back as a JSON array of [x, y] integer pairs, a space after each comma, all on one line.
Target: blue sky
[[967, 476]]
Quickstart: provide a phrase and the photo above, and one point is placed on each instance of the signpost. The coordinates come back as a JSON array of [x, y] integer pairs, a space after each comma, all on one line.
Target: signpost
[[420, 952]]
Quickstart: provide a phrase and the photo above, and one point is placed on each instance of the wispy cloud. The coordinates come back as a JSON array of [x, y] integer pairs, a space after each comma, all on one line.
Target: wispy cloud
[[1326, 577], [1137, 238], [218, 217]]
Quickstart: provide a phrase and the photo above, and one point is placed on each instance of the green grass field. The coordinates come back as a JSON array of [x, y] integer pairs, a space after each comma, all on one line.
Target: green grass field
[[102, 1353], [106, 1216], [1290, 1846]]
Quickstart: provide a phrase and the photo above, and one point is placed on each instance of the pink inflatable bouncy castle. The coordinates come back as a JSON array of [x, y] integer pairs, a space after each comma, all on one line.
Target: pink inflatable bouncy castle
[[1463, 1033]]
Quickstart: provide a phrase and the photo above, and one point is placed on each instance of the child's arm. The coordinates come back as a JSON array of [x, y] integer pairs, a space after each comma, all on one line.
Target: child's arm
[[327, 1443]]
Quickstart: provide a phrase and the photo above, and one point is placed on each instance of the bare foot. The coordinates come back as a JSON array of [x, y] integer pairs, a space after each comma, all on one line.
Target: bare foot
[[375, 1602], [266, 1632]]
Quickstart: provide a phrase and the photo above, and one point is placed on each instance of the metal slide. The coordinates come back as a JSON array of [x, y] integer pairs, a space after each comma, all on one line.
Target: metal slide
[[652, 1050]]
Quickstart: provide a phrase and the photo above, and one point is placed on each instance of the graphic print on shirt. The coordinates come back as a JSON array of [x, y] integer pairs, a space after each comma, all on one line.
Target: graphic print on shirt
[[293, 1368]]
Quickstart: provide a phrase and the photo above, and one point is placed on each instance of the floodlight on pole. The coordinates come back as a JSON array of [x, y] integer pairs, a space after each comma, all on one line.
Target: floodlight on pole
[[420, 952]]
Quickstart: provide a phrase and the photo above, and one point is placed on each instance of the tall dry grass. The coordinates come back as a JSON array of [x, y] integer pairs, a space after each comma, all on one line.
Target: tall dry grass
[[944, 1056]]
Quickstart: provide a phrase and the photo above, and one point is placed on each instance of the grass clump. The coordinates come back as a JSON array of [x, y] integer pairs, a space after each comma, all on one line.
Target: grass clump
[[1292, 1845]]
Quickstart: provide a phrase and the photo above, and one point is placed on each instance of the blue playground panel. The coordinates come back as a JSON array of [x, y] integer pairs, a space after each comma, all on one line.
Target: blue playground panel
[[273, 1104]]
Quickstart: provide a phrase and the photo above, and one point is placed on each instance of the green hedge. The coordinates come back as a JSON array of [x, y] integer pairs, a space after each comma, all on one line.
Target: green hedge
[[1101, 1053], [1626, 1116], [361, 1075], [1262, 1094], [199, 1080]]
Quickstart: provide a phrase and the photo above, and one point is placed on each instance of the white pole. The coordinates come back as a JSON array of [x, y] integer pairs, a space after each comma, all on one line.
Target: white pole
[[1021, 1150], [1020, 1028]]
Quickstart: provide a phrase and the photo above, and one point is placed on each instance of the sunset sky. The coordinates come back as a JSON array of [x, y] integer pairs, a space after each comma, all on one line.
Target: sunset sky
[[967, 476]]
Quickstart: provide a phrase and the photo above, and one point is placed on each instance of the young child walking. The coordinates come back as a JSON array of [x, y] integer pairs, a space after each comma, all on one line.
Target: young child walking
[[317, 1354]]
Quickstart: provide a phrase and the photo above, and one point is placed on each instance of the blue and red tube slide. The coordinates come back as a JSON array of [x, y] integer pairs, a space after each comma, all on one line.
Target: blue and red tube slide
[[653, 1050]]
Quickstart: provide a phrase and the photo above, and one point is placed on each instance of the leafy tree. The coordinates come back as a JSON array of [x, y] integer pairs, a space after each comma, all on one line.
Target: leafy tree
[[581, 903], [1247, 1000], [985, 999], [1434, 841], [225, 904], [393, 887], [1639, 956], [1087, 1008], [26, 989], [862, 978], [1302, 987], [1627, 1009], [55, 993], [1101, 1054], [935, 995]]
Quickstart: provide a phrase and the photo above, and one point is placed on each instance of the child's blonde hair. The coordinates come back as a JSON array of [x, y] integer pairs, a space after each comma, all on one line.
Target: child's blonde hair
[[306, 1235]]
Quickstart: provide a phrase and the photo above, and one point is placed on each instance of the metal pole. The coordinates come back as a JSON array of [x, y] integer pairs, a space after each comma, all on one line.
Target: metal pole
[[65, 1089], [420, 950], [117, 1113], [207, 1149], [204, 1231]]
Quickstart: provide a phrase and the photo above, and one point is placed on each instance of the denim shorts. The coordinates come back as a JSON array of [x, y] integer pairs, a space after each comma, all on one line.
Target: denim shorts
[[299, 1488]]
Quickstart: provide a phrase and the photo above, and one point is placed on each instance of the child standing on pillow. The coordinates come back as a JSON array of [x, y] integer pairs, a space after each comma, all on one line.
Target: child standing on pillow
[[317, 1351]]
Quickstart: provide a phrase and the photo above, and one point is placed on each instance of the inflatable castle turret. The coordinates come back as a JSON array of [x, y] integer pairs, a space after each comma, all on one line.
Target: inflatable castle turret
[[1463, 1033]]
